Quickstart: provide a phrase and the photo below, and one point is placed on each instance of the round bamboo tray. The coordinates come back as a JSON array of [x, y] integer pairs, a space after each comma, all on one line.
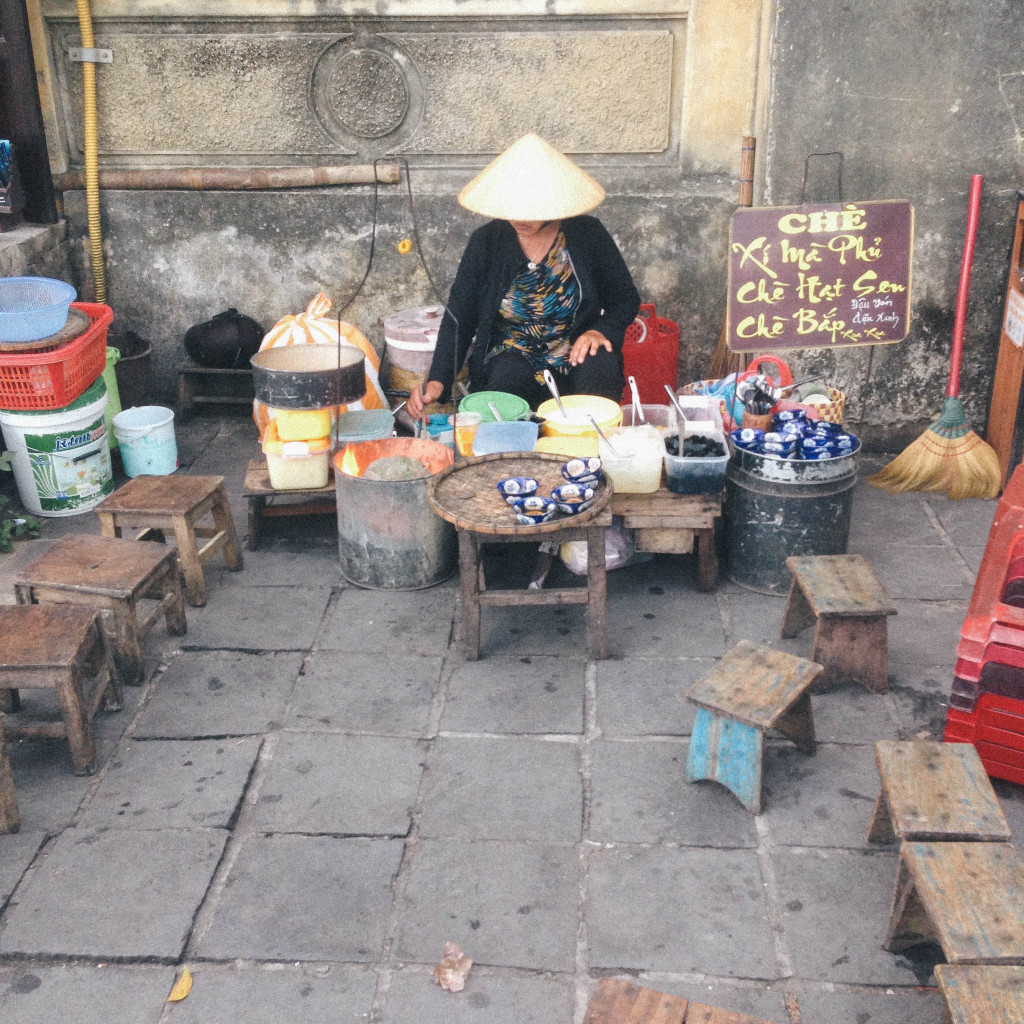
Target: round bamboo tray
[[466, 494]]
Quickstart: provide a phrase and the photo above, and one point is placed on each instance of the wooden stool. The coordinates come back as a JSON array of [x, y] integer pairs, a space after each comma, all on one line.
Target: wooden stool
[[752, 689], [851, 609], [112, 575], [981, 995], [969, 897], [177, 503], [57, 646], [621, 1002], [9, 819], [934, 791]]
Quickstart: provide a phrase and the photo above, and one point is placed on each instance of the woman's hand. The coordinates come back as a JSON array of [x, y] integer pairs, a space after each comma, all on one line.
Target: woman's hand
[[422, 397], [587, 344]]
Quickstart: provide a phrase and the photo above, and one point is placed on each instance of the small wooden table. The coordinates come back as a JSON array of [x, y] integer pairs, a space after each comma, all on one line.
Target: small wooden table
[[56, 647], [751, 690], [113, 575], [266, 501], [668, 523], [851, 608], [621, 1002], [934, 791], [466, 495], [179, 504], [204, 385], [981, 995], [969, 897]]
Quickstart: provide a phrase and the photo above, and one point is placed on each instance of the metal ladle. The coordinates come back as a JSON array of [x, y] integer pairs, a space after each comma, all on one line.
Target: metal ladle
[[601, 434], [553, 388]]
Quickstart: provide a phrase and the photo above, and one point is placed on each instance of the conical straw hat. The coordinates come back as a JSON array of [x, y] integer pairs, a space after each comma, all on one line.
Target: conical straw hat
[[531, 180]]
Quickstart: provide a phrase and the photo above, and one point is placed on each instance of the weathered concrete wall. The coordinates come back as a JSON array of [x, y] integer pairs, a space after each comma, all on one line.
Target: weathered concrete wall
[[651, 96], [917, 97]]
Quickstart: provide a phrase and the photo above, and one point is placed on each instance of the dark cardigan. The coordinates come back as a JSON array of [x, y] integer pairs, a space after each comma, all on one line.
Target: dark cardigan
[[608, 299]]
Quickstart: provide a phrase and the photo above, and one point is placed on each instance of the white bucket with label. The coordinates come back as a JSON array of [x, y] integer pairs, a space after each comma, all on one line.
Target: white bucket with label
[[145, 434], [62, 456]]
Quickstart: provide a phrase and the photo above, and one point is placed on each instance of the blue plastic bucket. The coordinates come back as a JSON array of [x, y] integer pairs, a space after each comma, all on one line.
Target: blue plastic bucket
[[145, 434]]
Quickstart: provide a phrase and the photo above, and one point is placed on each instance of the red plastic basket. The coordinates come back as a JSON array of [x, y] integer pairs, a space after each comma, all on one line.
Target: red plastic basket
[[650, 353], [51, 380]]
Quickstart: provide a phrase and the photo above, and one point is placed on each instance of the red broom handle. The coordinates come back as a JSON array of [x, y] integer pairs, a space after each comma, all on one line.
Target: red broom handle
[[973, 207]]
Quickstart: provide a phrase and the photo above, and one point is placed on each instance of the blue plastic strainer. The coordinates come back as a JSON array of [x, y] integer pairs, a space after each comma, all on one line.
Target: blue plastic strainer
[[33, 307]]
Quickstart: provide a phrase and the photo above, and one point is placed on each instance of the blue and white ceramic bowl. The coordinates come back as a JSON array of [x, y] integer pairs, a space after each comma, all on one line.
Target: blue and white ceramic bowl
[[586, 472], [515, 487], [573, 498], [535, 509]]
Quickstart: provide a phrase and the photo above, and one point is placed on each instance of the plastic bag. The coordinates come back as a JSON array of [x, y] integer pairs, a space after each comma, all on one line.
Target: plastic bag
[[619, 550]]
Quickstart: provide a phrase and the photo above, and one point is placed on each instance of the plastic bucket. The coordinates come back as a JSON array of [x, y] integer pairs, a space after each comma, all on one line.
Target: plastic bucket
[[61, 456], [510, 407], [113, 394], [146, 436]]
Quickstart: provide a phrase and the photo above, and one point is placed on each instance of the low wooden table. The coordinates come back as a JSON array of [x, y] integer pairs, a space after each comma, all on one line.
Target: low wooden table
[[621, 1002], [56, 647], [934, 791], [968, 897], [269, 502], [112, 575], [466, 495], [850, 608], [178, 504], [203, 385], [10, 821], [752, 689], [981, 994], [668, 523]]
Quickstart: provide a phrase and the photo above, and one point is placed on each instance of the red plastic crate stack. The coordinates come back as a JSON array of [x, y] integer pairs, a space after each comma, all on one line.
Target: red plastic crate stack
[[986, 706]]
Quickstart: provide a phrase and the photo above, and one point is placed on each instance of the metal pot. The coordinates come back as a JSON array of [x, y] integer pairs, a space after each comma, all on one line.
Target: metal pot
[[308, 376]]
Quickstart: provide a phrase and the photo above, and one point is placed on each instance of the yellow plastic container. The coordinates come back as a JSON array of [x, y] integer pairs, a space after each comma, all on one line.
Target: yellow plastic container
[[302, 424], [296, 465], [581, 447], [577, 408]]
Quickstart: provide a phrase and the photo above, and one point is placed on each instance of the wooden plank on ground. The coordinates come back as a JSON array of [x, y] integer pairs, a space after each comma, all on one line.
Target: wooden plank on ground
[[982, 995], [619, 1002]]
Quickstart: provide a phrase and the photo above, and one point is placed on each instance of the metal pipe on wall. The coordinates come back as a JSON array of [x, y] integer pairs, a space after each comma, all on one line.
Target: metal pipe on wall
[[231, 179]]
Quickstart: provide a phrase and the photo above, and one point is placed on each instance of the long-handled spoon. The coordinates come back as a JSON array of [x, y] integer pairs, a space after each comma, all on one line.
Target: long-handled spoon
[[495, 413], [675, 401], [553, 388], [638, 409], [601, 434]]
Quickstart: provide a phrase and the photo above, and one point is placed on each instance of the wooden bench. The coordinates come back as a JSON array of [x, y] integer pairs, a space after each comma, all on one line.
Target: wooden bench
[[267, 502], [57, 647], [851, 609], [112, 575], [752, 689], [934, 791], [204, 385], [981, 995], [968, 897], [9, 819], [178, 504], [621, 1002], [668, 523]]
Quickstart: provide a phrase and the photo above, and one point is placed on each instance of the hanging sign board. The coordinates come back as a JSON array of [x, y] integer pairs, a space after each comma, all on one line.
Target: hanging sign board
[[819, 276]]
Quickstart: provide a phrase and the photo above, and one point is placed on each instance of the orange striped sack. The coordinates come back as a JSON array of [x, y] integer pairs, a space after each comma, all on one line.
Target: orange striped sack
[[315, 327]]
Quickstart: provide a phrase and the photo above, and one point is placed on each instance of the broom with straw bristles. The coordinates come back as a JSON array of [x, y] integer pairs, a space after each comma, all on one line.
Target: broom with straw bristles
[[949, 456]]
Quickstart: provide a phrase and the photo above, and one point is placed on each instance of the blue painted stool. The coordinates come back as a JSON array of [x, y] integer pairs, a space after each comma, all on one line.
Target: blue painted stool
[[752, 689]]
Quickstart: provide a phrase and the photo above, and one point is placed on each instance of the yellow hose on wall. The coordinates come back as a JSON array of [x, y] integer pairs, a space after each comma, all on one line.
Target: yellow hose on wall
[[92, 175]]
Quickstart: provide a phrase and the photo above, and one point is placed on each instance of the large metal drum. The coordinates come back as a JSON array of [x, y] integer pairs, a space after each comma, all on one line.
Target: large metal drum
[[776, 507], [308, 376], [389, 538]]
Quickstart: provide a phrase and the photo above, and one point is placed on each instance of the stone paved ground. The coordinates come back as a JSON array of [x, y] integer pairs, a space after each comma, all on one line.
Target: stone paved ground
[[313, 791]]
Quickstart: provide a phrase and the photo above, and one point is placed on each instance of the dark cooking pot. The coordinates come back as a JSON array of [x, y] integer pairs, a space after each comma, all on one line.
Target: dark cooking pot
[[227, 342], [308, 376]]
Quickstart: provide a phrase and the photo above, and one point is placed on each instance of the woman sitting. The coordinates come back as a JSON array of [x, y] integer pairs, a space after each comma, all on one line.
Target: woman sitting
[[539, 287]]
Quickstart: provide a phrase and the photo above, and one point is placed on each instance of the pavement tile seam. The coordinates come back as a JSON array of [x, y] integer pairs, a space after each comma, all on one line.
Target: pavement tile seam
[[25, 880]]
